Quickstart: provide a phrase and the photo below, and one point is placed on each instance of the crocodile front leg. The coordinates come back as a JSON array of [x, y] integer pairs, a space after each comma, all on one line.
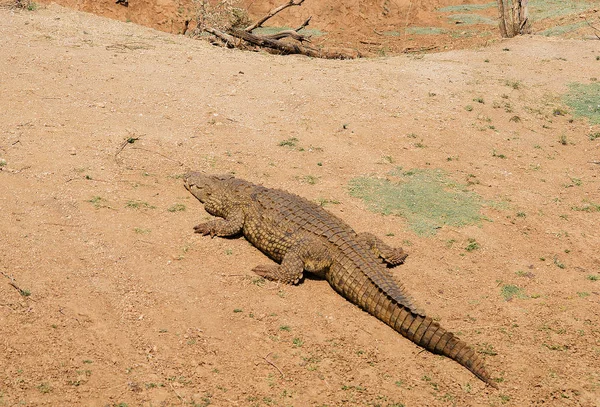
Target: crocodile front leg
[[392, 255], [229, 226]]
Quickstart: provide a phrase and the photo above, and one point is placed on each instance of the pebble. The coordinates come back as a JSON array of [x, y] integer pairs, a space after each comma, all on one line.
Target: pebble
[[72, 151]]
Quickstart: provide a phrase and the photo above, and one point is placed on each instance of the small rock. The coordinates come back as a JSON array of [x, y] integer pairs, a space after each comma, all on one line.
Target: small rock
[[72, 151]]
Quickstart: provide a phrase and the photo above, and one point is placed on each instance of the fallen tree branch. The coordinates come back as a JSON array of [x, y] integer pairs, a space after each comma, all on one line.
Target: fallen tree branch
[[226, 38], [286, 48], [276, 10], [304, 24], [243, 38], [284, 34]]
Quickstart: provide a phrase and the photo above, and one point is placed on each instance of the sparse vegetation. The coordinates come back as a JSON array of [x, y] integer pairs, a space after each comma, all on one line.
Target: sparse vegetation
[[44, 388], [139, 205], [291, 142], [510, 291], [310, 179], [176, 208], [472, 245], [495, 154], [426, 198], [584, 100], [515, 84], [98, 202], [562, 139]]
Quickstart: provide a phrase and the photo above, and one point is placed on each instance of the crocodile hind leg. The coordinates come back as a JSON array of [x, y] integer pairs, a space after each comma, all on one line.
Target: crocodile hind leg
[[391, 255], [308, 254]]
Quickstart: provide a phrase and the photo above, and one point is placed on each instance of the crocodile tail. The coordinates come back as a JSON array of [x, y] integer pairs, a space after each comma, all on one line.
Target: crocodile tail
[[428, 334]]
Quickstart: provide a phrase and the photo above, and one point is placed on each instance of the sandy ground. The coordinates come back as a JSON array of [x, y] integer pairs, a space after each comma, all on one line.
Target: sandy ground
[[127, 307]]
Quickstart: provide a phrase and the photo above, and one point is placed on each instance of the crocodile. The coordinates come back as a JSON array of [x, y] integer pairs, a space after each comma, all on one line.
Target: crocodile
[[302, 236]]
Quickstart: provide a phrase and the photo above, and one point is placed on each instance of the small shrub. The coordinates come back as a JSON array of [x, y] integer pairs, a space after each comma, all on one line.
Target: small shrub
[[176, 208], [291, 142], [472, 245], [563, 139], [510, 291]]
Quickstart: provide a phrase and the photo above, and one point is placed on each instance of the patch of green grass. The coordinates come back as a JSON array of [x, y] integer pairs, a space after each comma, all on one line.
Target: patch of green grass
[[515, 84], [584, 100], [98, 202], [138, 205], [426, 198], [469, 108], [562, 29], [593, 277], [310, 179], [542, 9], [237, 310], [2, 162], [510, 291], [298, 342], [559, 263], [495, 154], [472, 245], [141, 231], [286, 328], [44, 388], [324, 202], [470, 19], [587, 207], [176, 208], [291, 142], [487, 349], [425, 30], [594, 136], [562, 139]]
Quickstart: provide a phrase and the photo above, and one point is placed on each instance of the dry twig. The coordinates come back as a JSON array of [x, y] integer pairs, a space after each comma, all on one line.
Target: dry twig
[[273, 364], [271, 13], [12, 282], [596, 31]]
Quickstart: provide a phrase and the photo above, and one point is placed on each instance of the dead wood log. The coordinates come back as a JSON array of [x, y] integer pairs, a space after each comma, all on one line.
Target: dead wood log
[[229, 41], [286, 47], [244, 38]]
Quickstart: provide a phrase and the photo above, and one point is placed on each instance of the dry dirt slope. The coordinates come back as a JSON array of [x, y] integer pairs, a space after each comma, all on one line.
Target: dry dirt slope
[[128, 307]]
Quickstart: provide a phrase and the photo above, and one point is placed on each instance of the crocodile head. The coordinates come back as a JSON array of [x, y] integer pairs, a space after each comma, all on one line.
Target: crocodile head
[[202, 186]]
